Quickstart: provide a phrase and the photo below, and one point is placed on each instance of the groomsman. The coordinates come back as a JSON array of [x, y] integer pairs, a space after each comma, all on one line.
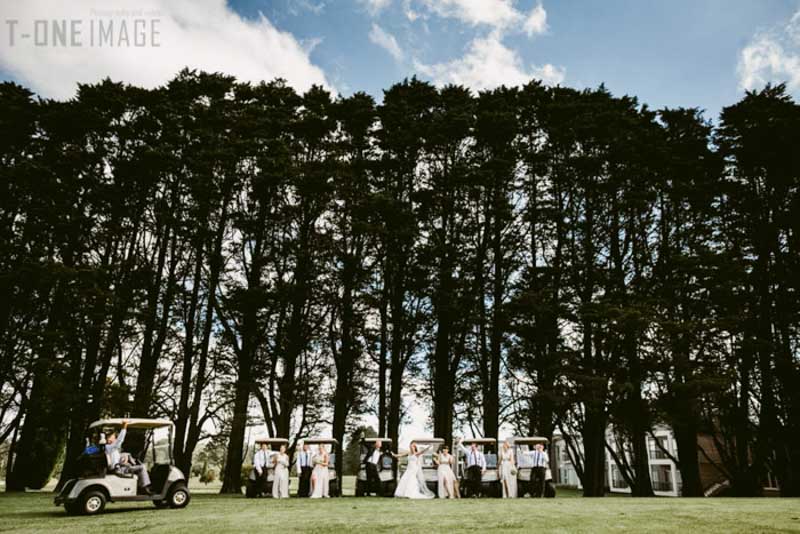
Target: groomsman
[[262, 459], [539, 462], [373, 467], [476, 466], [305, 464]]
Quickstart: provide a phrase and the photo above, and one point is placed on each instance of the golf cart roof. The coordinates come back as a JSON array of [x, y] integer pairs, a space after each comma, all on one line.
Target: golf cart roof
[[373, 440], [479, 441], [530, 440], [320, 441], [272, 441], [132, 423]]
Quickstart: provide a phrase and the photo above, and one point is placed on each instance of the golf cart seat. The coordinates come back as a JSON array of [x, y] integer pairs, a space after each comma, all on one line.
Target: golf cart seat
[[123, 475], [92, 465]]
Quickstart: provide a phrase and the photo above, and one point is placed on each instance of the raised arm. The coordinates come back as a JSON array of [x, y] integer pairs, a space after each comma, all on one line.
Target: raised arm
[[121, 435], [423, 451]]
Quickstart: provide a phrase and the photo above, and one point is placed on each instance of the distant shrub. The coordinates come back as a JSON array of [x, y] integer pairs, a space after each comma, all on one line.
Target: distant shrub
[[208, 477]]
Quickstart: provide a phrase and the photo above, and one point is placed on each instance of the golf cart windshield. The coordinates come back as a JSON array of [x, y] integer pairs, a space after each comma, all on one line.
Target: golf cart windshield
[[152, 438]]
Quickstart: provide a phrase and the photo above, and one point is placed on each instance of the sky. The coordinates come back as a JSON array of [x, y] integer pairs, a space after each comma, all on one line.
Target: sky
[[690, 53]]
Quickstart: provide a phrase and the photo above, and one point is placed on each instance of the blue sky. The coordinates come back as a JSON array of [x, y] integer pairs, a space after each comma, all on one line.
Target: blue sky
[[700, 53], [668, 53]]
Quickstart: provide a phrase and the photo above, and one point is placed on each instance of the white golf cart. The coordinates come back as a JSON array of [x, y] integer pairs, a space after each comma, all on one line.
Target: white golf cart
[[429, 468], [523, 446], [334, 488], [386, 473], [262, 486], [490, 480], [97, 485]]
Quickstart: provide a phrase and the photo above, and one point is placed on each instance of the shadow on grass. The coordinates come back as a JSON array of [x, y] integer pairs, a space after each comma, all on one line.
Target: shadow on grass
[[60, 512]]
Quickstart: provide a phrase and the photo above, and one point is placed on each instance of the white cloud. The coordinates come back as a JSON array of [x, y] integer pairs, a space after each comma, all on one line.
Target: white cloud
[[772, 56], [386, 40], [497, 14], [536, 21], [201, 34], [375, 6], [487, 64], [296, 7]]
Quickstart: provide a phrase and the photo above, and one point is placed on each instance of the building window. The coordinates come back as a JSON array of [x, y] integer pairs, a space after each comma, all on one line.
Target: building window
[[661, 476], [617, 482], [657, 448]]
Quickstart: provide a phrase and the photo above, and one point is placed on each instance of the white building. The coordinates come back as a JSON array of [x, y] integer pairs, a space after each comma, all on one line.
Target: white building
[[663, 472]]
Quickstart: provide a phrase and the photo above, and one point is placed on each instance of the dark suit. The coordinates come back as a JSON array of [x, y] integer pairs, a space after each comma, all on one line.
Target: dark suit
[[373, 474]]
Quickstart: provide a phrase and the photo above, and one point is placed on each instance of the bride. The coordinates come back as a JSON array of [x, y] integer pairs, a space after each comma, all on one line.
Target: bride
[[412, 483]]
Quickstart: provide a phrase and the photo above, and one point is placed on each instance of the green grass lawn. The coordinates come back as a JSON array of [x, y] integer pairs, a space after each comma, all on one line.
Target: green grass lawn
[[211, 513]]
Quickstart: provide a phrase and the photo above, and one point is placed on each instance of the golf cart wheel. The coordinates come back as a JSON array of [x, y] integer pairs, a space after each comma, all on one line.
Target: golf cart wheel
[[178, 496], [92, 503]]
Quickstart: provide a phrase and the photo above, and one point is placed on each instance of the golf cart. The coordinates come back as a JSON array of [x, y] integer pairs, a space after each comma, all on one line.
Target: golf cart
[[255, 487], [429, 468], [490, 481], [334, 488], [97, 484], [522, 447], [386, 472]]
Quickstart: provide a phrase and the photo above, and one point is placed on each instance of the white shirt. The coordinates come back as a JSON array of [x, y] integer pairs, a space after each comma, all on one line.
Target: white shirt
[[262, 459], [303, 460], [113, 450], [474, 457], [538, 458], [376, 456]]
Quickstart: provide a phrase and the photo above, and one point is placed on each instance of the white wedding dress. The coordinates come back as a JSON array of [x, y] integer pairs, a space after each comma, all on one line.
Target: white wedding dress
[[412, 483]]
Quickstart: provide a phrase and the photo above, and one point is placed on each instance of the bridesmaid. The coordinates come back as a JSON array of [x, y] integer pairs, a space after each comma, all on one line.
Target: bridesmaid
[[280, 482], [320, 476], [508, 471], [445, 474]]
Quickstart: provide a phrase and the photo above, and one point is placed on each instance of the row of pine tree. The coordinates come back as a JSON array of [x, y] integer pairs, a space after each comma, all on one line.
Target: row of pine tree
[[537, 259]]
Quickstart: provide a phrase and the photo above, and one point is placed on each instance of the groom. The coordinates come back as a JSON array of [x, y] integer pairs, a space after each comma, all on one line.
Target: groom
[[304, 467], [476, 467], [373, 465]]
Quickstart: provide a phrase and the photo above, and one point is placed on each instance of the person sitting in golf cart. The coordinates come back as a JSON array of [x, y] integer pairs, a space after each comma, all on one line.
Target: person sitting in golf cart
[[116, 478], [124, 464]]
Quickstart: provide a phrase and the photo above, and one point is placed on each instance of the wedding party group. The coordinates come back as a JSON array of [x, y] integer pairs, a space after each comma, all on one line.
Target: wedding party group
[[476, 467]]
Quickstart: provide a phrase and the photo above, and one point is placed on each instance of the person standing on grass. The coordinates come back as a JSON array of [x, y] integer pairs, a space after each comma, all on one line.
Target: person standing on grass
[[508, 471], [262, 459], [539, 467], [305, 464], [476, 467], [114, 457], [444, 474], [320, 477], [280, 482], [372, 463]]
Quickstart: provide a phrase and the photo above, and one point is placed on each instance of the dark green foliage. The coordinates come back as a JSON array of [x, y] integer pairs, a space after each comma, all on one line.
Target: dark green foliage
[[541, 258]]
